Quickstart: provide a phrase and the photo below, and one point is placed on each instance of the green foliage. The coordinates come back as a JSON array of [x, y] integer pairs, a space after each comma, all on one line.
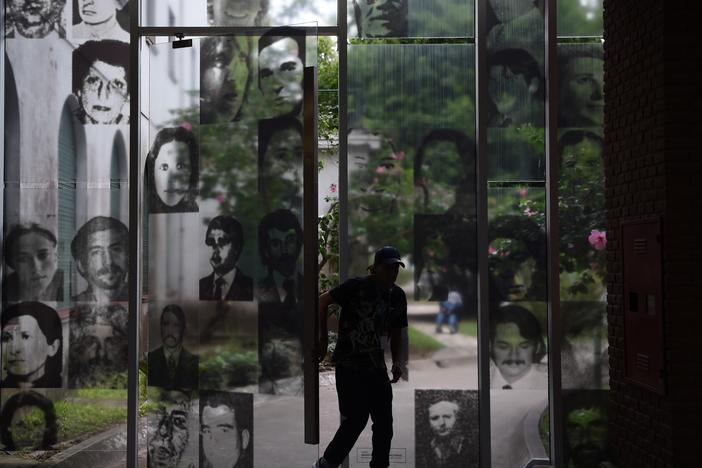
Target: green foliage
[[81, 417], [228, 366], [421, 345]]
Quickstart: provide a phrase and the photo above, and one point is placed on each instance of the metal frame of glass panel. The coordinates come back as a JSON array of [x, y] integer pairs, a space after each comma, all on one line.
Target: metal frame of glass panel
[[138, 34]]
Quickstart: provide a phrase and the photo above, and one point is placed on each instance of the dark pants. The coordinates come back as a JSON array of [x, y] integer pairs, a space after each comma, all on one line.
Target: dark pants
[[362, 393]]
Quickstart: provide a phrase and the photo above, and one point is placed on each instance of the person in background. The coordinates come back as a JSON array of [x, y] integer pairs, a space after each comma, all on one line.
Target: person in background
[[448, 311]]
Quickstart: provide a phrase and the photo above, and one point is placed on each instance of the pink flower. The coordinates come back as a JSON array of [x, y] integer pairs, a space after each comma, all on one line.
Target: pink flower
[[529, 212], [598, 239], [381, 170], [220, 198], [523, 192], [492, 250], [187, 125], [332, 188], [399, 156]]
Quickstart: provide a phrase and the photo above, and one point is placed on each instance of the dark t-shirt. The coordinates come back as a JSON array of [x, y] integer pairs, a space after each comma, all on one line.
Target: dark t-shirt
[[367, 314]]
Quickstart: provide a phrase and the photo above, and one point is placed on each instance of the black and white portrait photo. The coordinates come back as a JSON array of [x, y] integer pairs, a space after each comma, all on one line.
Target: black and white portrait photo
[[171, 366], [281, 62], [280, 162], [98, 347], [100, 251], [517, 348], [31, 256], [98, 19], [237, 12], [172, 171], [581, 78], [586, 435], [28, 422], [515, 21], [381, 18], [515, 88], [225, 77], [100, 81], [279, 350], [280, 244], [35, 19], [226, 429], [31, 345], [225, 241], [169, 429], [446, 428]]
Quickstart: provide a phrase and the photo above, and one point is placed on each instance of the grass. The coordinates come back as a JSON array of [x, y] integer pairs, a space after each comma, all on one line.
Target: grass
[[468, 327], [79, 418], [421, 345]]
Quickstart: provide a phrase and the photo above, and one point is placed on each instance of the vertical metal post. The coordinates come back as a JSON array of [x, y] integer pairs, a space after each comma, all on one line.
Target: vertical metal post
[[342, 44], [481, 95], [310, 299], [553, 237], [134, 277]]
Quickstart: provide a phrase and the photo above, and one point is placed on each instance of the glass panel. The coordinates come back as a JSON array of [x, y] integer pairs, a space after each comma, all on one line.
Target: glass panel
[[580, 17], [410, 18], [63, 399], [516, 233], [583, 238], [412, 184], [237, 12], [223, 213]]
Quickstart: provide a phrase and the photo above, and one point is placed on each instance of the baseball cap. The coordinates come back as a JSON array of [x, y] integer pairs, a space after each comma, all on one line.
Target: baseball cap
[[387, 255]]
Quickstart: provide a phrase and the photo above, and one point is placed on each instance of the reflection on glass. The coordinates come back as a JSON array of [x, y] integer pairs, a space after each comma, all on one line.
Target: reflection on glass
[[28, 422], [172, 168], [280, 244], [580, 17], [30, 251], [32, 346]]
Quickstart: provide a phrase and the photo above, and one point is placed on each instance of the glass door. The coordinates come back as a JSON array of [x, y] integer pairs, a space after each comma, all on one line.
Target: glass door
[[226, 140]]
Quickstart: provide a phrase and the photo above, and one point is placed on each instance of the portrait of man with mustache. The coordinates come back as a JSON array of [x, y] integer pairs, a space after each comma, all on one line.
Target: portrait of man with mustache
[[280, 244], [172, 366], [98, 347], [516, 350], [100, 251]]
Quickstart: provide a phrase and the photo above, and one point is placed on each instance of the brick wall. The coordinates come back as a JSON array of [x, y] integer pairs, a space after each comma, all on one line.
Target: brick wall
[[653, 133]]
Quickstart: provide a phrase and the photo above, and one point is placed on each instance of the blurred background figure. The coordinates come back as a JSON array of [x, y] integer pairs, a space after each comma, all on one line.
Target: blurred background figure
[[448, 312]]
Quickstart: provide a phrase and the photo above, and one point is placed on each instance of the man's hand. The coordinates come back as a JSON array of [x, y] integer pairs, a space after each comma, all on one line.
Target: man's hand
[[323, 344], [396, 373]]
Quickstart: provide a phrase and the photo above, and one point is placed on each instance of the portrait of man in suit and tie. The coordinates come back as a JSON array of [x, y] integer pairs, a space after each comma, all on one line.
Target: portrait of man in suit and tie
[[280, 244], [225, 238], [171, 366]]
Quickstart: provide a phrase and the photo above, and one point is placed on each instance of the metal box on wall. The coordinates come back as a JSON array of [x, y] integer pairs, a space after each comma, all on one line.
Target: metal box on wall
[[643, 304]]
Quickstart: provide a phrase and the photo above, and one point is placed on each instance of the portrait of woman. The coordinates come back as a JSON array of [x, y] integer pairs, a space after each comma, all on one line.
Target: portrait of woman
[[30, 252], [172, 168], [28, 422], [31, 344]]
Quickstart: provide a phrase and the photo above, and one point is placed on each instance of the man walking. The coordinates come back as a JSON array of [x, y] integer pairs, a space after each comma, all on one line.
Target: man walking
[[371, 308]]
